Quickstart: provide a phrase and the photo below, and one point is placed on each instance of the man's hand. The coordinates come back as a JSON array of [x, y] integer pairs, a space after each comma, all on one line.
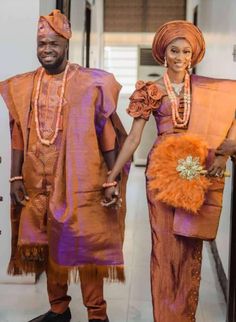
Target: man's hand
[[228, 147], [18, 193], [111, 195], [218, 167]]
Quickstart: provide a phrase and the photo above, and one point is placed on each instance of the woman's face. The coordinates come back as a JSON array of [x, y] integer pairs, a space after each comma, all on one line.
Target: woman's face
[[178, 55]]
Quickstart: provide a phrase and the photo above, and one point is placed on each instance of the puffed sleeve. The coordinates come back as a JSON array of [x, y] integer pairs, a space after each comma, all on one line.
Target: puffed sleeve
[[145, 99]]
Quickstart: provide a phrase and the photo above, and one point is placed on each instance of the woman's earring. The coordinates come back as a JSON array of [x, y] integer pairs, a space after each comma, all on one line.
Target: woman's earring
[[189, 65], [165, 63]]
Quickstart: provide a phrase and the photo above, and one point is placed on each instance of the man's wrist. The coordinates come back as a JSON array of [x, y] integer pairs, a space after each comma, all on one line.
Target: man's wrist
[[112, 178], [15, 178]]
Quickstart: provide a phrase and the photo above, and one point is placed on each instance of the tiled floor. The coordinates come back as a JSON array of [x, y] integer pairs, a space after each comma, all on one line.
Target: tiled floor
[[126, 303]]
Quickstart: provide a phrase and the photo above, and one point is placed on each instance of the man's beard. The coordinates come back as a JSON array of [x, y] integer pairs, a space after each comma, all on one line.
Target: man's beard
[[52, 66]]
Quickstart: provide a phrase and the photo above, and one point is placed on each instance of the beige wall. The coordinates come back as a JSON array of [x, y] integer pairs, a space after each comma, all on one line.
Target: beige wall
[[46, 6], [218, 23], [96, 37], [96, 45], [77, 24]]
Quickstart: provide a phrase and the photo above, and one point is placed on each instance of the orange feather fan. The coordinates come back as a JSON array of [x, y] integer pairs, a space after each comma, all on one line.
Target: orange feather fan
[[163, 177]]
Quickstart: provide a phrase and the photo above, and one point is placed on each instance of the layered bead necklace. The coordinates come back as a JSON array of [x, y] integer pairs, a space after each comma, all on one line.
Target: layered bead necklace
[[36, 108], [179, 121]]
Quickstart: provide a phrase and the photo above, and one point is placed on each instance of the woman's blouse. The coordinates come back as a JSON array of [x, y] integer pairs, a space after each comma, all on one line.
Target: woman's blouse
[[151, 98]]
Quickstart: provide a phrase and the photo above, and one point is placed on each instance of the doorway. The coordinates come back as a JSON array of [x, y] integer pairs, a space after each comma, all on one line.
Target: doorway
[[87, 32]]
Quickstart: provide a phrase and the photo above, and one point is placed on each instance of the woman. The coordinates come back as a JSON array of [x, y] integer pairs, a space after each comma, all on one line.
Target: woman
[[181, 105]]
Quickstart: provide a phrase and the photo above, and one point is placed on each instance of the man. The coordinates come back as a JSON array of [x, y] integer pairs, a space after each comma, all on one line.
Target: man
[[64, 140]]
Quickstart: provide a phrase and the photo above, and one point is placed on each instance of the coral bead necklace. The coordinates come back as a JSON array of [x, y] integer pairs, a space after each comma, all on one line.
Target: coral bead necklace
[[179, 121], [36, 108]]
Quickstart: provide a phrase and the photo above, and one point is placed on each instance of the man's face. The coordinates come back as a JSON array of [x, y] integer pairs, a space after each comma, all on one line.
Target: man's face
[[52, 51]]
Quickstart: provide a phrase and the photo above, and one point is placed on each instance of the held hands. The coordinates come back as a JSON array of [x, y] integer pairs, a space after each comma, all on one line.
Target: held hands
[[217, 169], [111, 197], [18, 193]]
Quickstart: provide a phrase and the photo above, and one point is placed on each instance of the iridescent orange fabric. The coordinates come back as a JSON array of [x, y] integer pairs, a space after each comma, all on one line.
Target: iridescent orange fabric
[[48, 105], [178, 29], [53, 23], [145, 99], [17, 138], [65, 180], [92, 294], [176, 258]]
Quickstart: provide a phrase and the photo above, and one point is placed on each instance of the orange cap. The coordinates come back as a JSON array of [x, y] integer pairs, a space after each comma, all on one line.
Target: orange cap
[[55, 22]]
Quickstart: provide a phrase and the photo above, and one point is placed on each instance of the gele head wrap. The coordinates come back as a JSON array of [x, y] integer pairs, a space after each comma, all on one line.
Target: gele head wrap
[[178, 29]]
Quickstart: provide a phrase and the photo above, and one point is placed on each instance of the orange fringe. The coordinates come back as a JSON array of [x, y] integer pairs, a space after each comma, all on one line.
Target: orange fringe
[[68, 274], [29, 259], [34, 259], [163, 178]]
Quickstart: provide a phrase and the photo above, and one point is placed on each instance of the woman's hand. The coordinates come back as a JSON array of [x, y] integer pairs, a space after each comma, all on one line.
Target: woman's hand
[[217, 169], [18, 193]]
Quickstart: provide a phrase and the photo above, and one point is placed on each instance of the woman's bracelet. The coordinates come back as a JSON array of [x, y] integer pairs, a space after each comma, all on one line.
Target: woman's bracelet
[[12, 179], [109, 184]]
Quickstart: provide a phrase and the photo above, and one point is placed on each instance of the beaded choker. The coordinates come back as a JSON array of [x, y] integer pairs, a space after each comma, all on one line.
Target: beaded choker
[[179, 121], [36, 109]]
